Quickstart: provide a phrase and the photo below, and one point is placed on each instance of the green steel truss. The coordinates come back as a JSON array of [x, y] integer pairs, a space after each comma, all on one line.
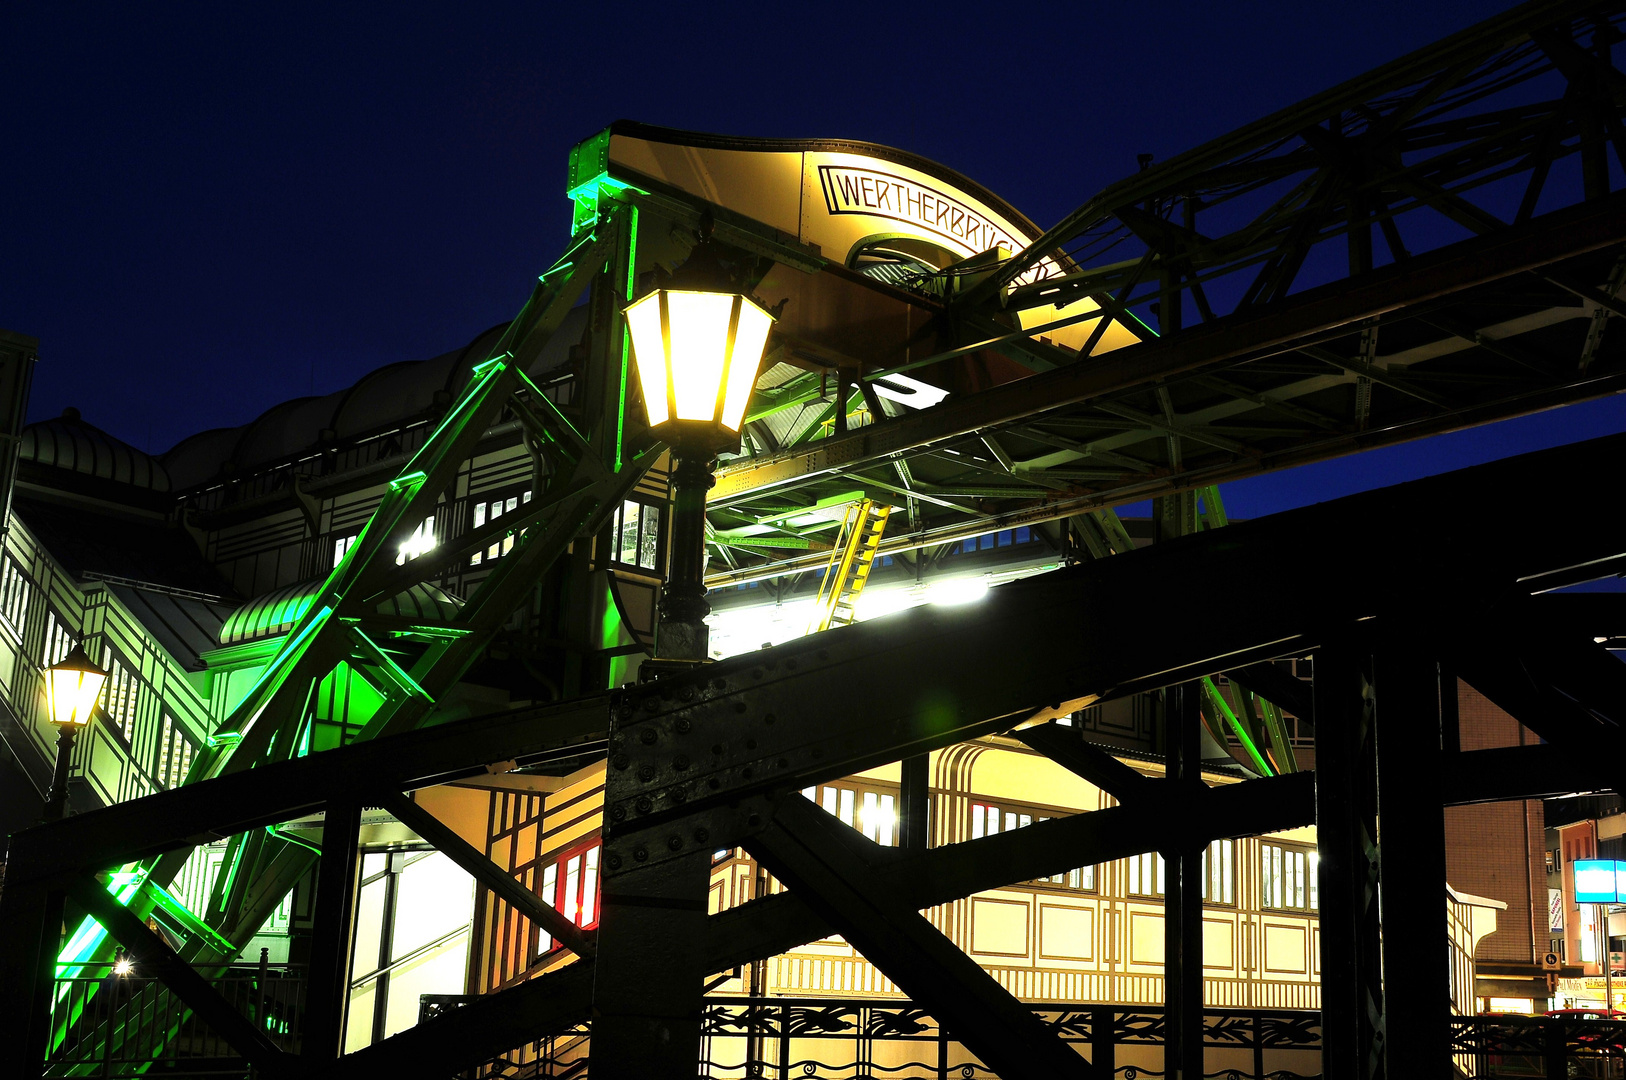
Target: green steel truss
[[588, 457]]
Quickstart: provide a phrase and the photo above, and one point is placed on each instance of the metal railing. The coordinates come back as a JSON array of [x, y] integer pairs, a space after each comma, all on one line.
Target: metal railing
[[116, 1026], [1550, 1047], [842, 1038]]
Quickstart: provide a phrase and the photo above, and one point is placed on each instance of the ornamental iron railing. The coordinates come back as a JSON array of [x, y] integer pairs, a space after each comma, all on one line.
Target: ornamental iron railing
[[856, 1039], [819, 1038], [1550, 1047], [151, 1025]]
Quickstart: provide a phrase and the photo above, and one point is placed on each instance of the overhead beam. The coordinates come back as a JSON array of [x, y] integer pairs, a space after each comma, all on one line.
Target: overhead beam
[[718, 722], [1469, 263], [1276, 686], [204, 812], [1067, 748]]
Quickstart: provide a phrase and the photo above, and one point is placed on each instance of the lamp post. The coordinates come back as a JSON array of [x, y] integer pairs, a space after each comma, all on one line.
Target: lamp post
[[698, 341], [72, 687]]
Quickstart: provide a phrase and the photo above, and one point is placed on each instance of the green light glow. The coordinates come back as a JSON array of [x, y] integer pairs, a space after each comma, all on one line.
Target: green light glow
[[412, 479], [89, 934], [278, 832], [231, 874], [448, 633], [626, 340], [1223, 707], [495, 363], [224, 738], [392, 671], [189, 923]]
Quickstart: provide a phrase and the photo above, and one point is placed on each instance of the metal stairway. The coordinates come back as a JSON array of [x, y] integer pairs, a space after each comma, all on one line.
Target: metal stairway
[[852, 557]]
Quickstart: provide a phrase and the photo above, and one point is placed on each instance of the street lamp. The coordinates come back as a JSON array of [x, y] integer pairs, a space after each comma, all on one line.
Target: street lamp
[[698, 341], [72, 686]]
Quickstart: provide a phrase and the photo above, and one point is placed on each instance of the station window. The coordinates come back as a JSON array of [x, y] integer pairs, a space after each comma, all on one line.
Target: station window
[[342, 546], [120, 698], [490, 510], [990, 820], [1002, 538], [1219, 872], [58, 642], [174, 754], [1146, 873], [1287, 878], [636, 536], [871, 811], [13, 596], [413, 921], [421, 540], [570, 886], [1145, 877]]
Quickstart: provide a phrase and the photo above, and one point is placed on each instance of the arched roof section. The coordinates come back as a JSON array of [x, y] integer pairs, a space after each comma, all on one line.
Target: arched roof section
[[277, 611], [390, 394], [199, 458], [283, 431], [379, 400], [68, 442]]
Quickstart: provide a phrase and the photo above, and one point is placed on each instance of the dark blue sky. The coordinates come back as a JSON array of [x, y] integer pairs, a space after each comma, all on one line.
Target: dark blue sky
[[212, 208]]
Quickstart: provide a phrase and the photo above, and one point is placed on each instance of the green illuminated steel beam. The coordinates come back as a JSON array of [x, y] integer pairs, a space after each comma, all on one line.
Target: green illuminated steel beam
[[261, 867]]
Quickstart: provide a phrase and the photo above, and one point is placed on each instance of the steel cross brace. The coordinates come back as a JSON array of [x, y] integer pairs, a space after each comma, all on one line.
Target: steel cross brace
[[179, 976], [774, 924], [824, 862], [1243, 158]]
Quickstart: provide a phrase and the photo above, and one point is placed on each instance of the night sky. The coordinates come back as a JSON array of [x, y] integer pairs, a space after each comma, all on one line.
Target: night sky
[[213, 208]]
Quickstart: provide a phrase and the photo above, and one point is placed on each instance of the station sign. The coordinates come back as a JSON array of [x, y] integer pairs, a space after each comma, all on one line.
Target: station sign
[[845, 199]]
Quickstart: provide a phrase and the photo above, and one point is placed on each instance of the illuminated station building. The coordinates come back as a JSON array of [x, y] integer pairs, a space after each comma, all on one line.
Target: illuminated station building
[[184, 574]]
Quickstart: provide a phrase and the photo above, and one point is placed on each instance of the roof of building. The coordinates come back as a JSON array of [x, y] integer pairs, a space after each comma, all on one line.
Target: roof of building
[[381, 399], [68, 442], [277, 611], [186, 626], [91, 543]]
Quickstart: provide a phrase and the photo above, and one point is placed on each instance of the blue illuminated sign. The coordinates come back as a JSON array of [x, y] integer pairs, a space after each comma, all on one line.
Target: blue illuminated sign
[[1598, 881]]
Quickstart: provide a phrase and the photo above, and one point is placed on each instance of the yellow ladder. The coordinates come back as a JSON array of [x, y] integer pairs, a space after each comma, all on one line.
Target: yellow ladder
[[852, 557]]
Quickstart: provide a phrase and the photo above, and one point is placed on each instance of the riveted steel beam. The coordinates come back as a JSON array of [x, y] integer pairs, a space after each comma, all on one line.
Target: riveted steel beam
[[1514, 250]]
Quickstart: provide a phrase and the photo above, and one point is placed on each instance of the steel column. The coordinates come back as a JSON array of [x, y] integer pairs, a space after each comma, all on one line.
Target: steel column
[[1346, 830], [1182, 897], [30, 934], [1411, 867], [648, 986], [329, 981], [914, 802]]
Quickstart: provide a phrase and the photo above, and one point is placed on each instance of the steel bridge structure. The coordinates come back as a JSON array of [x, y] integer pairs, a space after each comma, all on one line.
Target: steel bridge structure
[[1438, 243]]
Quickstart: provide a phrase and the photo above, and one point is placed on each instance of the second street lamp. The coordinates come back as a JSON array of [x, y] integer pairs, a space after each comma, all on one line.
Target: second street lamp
[[72, 687], [698, 341]]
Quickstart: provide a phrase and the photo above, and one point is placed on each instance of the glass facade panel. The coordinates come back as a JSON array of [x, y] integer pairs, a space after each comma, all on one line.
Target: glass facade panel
[[434, 897]]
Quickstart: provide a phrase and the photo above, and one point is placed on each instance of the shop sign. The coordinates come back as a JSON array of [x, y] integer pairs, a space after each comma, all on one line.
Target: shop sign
[[1598, 881], [1555, 910]]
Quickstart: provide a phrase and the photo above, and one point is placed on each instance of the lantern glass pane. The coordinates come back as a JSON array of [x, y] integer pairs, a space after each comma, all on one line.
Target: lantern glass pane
[[698, 325], [73, 694], [750, 338], [649, 352]]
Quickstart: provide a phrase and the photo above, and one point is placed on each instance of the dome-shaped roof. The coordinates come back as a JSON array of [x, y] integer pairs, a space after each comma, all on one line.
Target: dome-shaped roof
[[67, 442], [277, 611], [377, 401]]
